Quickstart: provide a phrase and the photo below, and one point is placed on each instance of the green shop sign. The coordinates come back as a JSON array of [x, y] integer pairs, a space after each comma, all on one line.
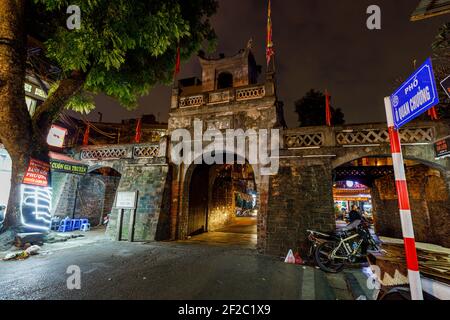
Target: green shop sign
[[61, 166]]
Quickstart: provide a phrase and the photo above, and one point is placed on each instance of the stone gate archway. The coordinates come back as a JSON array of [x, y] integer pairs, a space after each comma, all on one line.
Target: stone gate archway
[[208, 200]]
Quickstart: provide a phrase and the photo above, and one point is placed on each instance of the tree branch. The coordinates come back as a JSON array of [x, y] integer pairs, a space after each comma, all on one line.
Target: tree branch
[[49, 110]]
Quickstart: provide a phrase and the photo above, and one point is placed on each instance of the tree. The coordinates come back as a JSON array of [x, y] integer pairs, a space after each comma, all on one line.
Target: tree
[[441, 66], [311, 110], [122, 48]]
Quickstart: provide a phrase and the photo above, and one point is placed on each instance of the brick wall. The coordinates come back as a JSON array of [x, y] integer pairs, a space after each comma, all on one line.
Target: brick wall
[[93, 200], [430, 205], [300, 198]]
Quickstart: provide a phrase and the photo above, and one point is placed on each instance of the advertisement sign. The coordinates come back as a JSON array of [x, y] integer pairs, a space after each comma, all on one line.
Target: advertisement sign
[[126, 200], [56, 136], [61, 166], [37, 173], [417, 95], [442, 148]]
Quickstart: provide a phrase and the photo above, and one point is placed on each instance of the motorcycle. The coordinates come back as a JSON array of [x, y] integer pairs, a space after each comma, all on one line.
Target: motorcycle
[[331, 252]]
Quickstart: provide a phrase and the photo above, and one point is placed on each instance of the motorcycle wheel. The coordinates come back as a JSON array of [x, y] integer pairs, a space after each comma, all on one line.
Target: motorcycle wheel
[[323, 260]]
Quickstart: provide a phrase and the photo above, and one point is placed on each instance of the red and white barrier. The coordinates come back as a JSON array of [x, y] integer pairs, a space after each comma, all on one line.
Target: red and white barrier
[[405, 210]]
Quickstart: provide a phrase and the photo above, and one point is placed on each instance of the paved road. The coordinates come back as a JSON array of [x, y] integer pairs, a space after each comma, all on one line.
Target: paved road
[[189, 270]]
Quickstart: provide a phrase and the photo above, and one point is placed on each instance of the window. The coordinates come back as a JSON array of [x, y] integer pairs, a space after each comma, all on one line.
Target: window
[[225, 80]]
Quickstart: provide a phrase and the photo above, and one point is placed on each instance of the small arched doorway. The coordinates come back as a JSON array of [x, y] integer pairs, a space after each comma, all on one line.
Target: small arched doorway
[[95, 195], [224, 80]]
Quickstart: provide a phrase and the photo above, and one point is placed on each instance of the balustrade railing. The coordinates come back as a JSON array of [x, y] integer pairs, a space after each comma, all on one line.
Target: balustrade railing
[[223, 96], [115, 152], [356, 136]]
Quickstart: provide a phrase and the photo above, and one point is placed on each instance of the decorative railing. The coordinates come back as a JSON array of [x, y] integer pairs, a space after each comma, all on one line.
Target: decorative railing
[[223, 96], [193, 101], [104, 153], [380, 136], [143, 152], [304, 140], [250, 93], [219, 97], [111, 152], [358, 135]]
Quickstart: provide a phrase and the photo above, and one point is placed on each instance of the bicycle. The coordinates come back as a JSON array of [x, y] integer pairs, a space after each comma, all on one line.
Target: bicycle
[[333, 253]]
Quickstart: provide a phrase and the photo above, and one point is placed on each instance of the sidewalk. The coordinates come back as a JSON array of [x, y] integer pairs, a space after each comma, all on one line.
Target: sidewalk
[[97, 234]]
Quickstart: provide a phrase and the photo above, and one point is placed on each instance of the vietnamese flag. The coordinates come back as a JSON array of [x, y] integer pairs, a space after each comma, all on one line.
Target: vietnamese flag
[[86, 135], [269, 49], [177, 63], [433, 113], [138, 135], [327, 108]]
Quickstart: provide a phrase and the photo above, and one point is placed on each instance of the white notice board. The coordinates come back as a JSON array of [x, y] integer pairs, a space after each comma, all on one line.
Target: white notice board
[[126, 200]]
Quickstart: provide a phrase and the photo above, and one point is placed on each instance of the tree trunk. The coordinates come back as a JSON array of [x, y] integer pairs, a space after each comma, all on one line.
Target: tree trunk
[[23, 137], [15, 122]]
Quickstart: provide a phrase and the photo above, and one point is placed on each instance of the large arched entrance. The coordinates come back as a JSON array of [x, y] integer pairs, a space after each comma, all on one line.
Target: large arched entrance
[[222, 204], [370, 183]]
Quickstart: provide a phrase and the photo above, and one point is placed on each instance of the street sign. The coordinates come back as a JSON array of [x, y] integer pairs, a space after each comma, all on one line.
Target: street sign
[[416, 95], [446, 85], [442, 148]]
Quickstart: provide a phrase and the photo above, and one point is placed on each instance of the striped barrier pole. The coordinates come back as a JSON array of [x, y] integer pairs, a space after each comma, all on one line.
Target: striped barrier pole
[[412, 262]]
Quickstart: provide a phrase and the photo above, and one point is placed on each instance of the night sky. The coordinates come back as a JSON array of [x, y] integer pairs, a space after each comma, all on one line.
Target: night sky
[[319, 44]]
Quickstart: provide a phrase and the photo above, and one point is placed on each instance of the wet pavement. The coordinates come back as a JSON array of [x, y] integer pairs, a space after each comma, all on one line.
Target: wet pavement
[[167, 270], [240, 234]]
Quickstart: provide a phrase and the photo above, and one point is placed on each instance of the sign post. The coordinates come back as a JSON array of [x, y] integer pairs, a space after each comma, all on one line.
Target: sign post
[[417, 95], [405, 210], [126, 200]]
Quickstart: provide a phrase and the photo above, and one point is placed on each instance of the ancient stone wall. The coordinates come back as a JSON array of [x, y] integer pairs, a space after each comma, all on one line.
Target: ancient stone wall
[[152, 186], [430, 205], [95, 199], [300, 198], [64, 188]]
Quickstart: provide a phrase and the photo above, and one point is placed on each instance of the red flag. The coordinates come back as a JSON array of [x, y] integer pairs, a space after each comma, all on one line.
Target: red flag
[[86, 136], [269, 49], [178, 63], [433, 113], [328, 108], [137, 137]]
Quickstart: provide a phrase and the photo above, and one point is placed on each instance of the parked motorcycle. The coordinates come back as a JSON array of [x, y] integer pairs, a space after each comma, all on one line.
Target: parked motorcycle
[[331, 252]]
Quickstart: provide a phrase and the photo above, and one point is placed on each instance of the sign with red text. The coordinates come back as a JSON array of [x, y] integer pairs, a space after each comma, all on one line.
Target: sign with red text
[[442, 148], [37, 174]]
